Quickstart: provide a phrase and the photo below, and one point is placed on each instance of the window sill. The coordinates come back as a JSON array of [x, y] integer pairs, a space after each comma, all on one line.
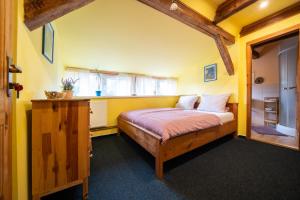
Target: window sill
[[123, 97]]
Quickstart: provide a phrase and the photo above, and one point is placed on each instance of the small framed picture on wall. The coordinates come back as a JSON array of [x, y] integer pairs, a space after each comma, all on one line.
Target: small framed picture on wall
[[210, 73], [48, 42]]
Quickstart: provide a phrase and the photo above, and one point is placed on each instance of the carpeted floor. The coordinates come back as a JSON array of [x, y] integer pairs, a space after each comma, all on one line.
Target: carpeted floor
[[227, 169]]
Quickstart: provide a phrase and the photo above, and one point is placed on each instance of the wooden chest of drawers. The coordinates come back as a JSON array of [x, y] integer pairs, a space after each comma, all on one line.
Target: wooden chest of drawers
[[60, 146]]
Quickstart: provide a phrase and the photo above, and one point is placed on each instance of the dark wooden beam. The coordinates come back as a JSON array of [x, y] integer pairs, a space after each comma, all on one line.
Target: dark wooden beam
[[225, 54], [231, 7], [191, 18], [40, 12], [255, 54], [271, 19]]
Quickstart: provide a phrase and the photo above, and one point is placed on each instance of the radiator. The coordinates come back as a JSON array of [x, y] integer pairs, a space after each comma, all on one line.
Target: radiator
[[98, 116]]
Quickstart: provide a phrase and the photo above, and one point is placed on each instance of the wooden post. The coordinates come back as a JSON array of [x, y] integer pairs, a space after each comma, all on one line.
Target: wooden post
[[159, 167], [85, 189], [36, 197], [159, 164], [225, 54], [119, 131]]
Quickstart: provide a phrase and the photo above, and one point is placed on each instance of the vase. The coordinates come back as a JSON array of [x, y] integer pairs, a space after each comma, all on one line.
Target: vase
[[68, 94], [98, 93]]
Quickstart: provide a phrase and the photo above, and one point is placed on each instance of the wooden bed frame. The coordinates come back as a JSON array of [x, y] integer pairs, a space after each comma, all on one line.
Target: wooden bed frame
[[178, 145]]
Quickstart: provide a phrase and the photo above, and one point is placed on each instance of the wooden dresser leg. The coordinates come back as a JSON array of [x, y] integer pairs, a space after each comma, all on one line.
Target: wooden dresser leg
[[235, 134], [36, 197], [85, 189], [119, 132], [159, 168]]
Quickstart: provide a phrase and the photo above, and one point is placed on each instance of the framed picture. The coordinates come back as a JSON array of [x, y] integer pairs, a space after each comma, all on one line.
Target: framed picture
[[210, 73], [48, 42]]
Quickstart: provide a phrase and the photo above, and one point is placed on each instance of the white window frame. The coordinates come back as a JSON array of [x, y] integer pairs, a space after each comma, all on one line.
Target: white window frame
[[133, 90]]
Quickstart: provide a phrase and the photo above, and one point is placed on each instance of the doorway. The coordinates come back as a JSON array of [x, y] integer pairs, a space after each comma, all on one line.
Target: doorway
[[273, 85]]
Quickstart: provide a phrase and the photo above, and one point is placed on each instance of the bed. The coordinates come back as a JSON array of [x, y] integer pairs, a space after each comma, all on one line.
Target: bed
[[166, 148]]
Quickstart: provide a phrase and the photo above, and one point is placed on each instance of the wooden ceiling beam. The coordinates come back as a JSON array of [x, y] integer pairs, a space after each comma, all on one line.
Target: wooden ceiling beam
[[271, 19], [40, 12], [225, 55], [231, 7], [191, 18], [255, 54]]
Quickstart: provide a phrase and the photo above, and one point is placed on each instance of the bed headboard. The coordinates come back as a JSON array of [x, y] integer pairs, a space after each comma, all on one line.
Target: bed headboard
[[233, 107]]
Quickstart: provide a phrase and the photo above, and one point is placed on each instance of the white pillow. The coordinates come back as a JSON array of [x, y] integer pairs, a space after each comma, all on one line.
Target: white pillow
[[214, 103], [187, 102]]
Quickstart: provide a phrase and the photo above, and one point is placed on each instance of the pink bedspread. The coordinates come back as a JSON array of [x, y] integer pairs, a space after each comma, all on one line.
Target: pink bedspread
[[171, 122]]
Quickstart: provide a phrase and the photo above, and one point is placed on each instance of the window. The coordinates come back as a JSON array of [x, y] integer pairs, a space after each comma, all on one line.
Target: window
[[120, 84], [117, 85], [166, 86], [145, 86], [87, 83]]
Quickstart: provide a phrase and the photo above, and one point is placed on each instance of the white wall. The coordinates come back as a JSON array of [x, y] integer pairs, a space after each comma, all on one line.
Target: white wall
[[267, 66]]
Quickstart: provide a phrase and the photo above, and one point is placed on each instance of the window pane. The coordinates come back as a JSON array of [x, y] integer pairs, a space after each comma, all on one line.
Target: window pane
[[145, 86], [120, 85], [86, 85], [166, 87], [117, 85]]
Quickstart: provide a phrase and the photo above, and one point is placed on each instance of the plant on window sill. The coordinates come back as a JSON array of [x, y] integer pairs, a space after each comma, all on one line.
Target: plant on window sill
[[68, 86]]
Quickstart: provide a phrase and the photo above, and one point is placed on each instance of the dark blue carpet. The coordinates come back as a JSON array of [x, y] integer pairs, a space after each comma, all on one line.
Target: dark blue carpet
[[225, 169]]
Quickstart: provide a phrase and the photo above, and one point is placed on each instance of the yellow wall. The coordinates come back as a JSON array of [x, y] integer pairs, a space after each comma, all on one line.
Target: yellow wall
[[191, 79], [115, 106], [38, 75], [128, 36]]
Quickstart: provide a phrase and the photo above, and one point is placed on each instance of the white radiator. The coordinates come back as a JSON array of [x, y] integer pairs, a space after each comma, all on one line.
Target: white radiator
[[98, 116]]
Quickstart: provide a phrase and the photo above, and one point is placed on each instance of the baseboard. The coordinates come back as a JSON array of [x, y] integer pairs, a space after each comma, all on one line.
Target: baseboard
[[95, 129], [104, 132]]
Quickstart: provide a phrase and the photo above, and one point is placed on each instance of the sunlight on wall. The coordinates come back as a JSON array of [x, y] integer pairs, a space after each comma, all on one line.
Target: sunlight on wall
[[38, 75], [133, 38], [192, 78], [206, 8]]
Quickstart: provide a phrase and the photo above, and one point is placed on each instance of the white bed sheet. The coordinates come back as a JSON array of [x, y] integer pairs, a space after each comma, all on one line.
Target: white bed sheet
[[225, 117]]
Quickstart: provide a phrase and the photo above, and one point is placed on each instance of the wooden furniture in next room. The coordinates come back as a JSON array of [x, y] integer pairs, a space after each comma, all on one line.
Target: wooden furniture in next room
[[271, 111], [179, 145], [60, 146]]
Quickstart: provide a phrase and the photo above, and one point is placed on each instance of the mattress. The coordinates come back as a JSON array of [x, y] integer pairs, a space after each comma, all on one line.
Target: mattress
[[171, 122], [224, 117]]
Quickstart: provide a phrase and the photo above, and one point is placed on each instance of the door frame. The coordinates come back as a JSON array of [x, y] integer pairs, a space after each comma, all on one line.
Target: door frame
[[260, 41], [6, 49]]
